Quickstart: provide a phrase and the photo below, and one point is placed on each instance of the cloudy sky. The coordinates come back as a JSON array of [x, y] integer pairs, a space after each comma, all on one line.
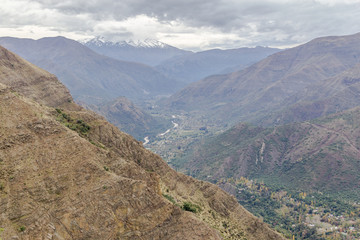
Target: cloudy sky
[[189, 24]]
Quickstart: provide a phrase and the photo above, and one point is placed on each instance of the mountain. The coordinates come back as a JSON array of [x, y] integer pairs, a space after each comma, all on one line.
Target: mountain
[[196, 66], [267, 86], [92, 78], [131, 119], [66, 173], [330, 96], [320, 155], [150, 52]]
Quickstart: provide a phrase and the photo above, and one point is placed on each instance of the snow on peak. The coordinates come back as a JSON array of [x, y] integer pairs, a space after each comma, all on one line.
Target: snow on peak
[[98, 41], [147, 43]]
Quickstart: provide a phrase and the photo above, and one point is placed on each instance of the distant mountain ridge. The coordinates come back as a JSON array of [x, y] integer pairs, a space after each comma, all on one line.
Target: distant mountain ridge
[[91, 77], [333, 95], [196, 66], [150, 51], [265, 87], [147, 43]]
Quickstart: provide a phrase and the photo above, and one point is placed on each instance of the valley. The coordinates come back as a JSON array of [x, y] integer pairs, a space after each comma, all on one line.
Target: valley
[[282, 138], [310, 214], [305, 154], [177, 140], [168, 120]]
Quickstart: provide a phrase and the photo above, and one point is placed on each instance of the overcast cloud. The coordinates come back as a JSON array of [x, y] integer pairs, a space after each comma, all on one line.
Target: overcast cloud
[[189, 24]]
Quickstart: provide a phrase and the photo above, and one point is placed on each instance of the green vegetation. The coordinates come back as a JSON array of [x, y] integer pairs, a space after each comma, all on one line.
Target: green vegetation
[[170, 198], [1, 230], [76, 125], [22, 228], [191, 207], [97, 144], [299, 214], [106, 168]]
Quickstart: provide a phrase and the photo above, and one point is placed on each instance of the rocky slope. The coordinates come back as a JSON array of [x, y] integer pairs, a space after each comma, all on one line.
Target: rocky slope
[[320, 155], [266, 86], [66, 173], [91, 77]]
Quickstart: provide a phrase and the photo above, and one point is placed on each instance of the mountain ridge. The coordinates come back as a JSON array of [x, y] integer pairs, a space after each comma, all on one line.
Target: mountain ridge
[[196, 66], [263, 87], [149, 51], [147, 43], [91, 77]]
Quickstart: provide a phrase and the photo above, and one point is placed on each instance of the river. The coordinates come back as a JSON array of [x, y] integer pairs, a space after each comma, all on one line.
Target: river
[[146, 139]]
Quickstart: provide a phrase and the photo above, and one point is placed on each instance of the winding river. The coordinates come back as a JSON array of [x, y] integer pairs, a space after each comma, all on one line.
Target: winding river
[[146, 139]]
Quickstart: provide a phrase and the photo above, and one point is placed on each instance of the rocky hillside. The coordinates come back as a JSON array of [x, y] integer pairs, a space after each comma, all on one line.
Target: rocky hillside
[[66, 173], [266, 86], [91, 78], [321, 155]]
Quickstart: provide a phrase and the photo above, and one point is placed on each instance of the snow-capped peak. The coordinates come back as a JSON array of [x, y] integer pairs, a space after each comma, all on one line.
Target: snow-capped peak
[[147, 43], [98, 41]]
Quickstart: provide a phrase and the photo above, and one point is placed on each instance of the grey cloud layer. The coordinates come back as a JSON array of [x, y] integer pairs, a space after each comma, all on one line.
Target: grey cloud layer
[[272, 22]]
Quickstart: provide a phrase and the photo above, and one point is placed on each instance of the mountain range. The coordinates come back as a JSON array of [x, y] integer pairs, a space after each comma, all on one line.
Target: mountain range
[[289, 80], [100, 81], [150, 52], [182, 65], [66, 173], [192, 67], [91, 78]]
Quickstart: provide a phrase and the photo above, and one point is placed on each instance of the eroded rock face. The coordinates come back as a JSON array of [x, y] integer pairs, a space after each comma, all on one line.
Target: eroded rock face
[[60, 183]]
